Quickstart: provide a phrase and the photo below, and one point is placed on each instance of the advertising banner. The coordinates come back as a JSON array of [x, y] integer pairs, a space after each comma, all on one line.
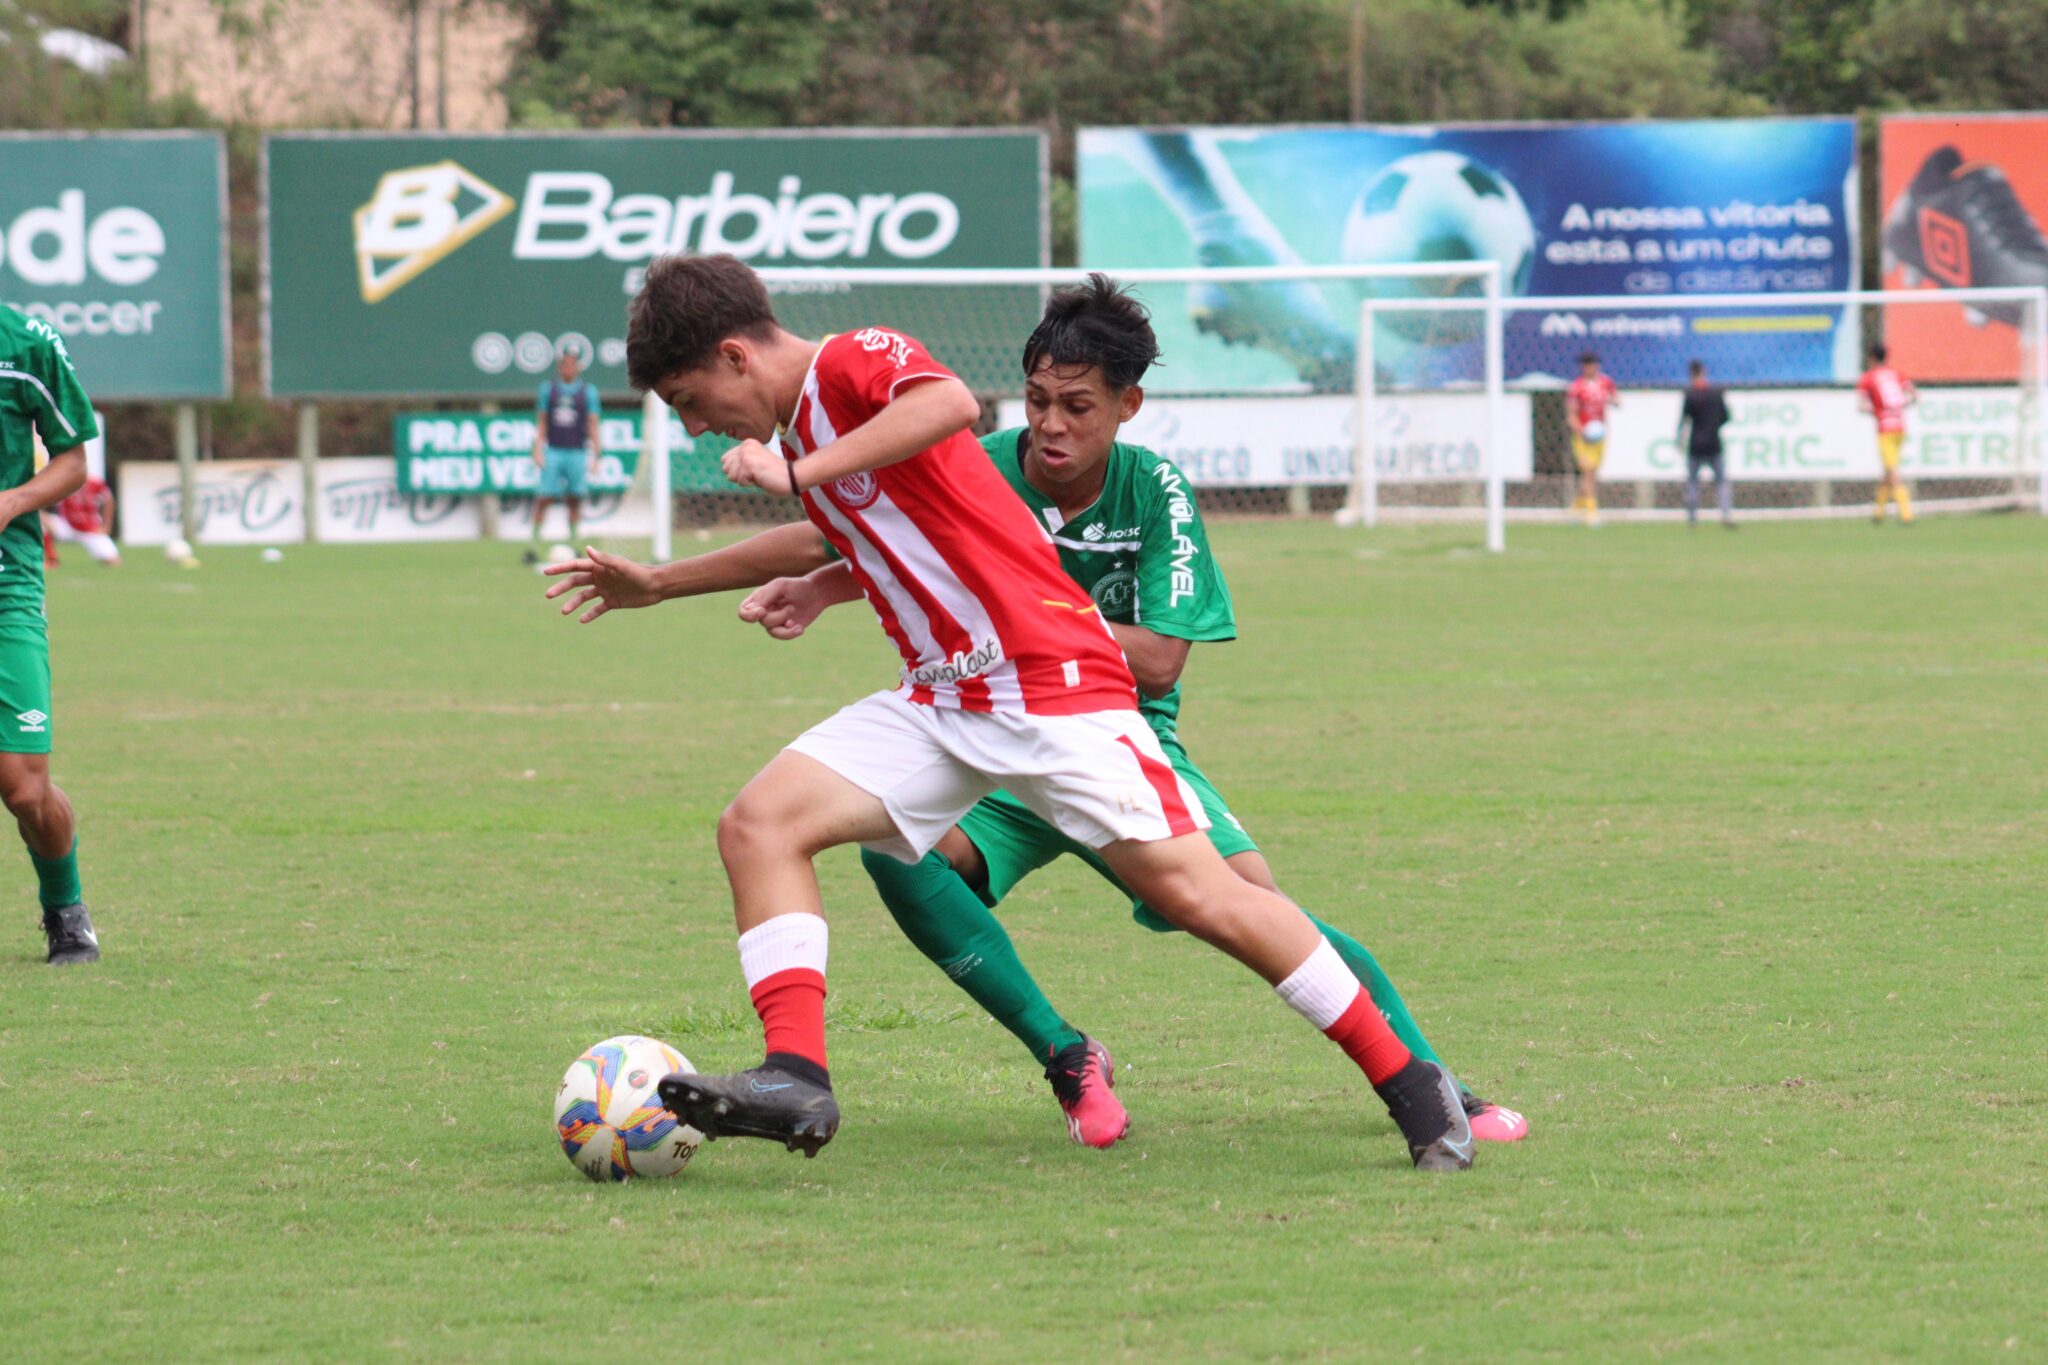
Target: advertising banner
[[1964, 198], [1804, 434], [476, 452], [1634, 211], [119, 241], [1275, 442], [262, 502], [405, 264]]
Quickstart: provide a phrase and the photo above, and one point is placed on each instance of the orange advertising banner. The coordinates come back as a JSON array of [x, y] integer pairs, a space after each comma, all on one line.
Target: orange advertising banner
[[1964, 197]]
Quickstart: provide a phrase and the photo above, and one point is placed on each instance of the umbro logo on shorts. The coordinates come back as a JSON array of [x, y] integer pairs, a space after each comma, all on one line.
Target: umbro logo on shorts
[[32, 722]]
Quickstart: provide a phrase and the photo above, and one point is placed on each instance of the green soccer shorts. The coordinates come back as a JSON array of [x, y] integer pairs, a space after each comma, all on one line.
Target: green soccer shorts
[[1015, 842], [24, 687]]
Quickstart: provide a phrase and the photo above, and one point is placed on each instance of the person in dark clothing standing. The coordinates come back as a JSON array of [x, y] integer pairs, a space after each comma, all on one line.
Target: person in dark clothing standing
[[1699, 430]]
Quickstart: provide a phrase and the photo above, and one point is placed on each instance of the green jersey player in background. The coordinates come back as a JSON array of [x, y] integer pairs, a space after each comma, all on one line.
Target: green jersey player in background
[[39, 394], [1128, 531]]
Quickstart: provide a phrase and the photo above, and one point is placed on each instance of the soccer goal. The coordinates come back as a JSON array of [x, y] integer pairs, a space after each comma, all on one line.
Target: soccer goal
[[1255, 396], [1798, 443]]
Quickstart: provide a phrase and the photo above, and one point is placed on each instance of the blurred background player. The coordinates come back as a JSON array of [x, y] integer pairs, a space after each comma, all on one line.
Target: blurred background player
[[1886, 395], [565, 445], [83, 518], [39, 395], [1586, 400], [1699, 430]]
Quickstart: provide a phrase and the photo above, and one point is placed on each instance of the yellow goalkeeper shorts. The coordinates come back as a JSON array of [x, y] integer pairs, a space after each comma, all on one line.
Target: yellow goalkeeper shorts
[[1587, 453], [1888, 443]]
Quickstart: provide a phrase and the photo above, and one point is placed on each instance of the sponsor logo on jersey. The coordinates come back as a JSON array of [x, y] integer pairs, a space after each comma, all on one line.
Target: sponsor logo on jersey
[[1180, 511], [856, 491], [966, 663], [33, 722], [1094, 531], [879, 339], [418, 216]]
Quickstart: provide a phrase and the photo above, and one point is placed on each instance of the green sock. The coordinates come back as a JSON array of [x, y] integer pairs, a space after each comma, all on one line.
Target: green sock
[[940, 913], [1367, 969], [59, 878]]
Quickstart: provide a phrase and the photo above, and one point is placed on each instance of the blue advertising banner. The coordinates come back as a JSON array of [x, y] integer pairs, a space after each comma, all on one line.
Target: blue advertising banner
[[1645, 213]]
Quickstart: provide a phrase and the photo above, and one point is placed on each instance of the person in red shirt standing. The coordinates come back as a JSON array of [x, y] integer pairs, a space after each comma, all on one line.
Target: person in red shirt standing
[[1010, 679], [1586, 401], [1886, 394]]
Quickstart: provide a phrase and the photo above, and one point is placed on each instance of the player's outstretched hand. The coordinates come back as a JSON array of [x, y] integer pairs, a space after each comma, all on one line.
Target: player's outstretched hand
[[603, 580], [784, 607], [753, 465]]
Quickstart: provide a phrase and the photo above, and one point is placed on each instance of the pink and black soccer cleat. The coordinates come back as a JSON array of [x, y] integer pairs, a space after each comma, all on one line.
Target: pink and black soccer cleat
[[1083, 1079], [1492, 1122]]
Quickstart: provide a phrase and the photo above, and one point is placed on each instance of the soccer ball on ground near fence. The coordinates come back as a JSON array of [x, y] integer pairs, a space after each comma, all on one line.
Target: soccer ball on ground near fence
[[610, 1121], [1439, 206]]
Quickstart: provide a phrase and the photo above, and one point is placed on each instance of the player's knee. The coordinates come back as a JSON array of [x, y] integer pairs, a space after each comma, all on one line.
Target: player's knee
[[24, 792], [744, 829], [1177, 897]]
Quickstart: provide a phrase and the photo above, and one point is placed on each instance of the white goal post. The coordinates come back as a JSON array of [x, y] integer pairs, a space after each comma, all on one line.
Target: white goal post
[[1262, 359]]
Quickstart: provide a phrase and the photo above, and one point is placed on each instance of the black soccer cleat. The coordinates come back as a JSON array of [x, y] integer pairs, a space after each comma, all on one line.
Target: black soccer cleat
[[1960, 225], [762, 1102], [1425, 1104], [69, 929]]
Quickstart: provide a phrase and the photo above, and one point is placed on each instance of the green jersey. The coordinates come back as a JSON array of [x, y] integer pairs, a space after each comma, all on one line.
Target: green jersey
[[1140, 551], [39, 392]]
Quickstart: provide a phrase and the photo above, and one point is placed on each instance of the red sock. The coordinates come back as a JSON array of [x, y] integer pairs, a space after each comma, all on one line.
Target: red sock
[[791, 1004], [1363, 1033]]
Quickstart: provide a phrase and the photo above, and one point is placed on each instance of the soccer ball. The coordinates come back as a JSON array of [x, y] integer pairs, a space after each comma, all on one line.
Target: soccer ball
[[1439, 206], [178, 551], [560, 554], [610, 1121], [1595, 433]]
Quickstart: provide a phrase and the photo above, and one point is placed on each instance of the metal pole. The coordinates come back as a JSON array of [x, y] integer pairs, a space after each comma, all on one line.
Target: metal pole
[[1358, 61], [1496, 418], [2038, 435], [309, 467], [1365, 491], [188, 472], [654, 450], [488, 505]]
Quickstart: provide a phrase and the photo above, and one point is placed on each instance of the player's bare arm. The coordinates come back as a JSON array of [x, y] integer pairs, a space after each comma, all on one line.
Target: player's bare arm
[[607, 582], [54, 482], [1156, 660], [919, 417], [786, 607]]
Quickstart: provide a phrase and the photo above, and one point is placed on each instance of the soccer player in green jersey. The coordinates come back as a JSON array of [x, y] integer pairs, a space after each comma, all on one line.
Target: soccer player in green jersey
[[39, 394], [1127, 530]]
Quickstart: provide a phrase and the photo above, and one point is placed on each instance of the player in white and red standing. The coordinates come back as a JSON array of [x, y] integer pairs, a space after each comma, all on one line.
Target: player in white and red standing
[[1885, 394], [1586, 400], [1010, 679]]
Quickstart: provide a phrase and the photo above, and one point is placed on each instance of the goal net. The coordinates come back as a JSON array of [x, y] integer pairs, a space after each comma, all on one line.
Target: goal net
[[1255, 396], [1798, 443]]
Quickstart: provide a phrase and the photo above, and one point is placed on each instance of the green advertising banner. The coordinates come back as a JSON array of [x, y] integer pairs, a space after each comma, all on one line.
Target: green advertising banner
[[402, 264], [477, 452], [119, 241]]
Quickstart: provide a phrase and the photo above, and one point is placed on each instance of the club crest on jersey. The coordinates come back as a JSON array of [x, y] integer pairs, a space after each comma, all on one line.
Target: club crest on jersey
[[856, 491], [1115, 593]]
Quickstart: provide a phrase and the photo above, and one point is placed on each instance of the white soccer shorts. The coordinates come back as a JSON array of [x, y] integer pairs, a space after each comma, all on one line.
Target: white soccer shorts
[[1096, 777], [98, 544]]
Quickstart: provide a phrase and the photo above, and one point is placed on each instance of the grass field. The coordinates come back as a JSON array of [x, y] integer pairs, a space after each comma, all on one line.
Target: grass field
[[1722, 857]]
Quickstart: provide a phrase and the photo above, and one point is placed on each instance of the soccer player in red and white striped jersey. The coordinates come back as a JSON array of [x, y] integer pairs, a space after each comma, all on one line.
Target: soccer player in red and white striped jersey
[[1010, 679]]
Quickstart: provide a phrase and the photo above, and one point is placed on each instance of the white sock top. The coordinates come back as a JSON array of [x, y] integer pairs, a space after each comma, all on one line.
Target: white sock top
[[782, 943], [1321, 988]]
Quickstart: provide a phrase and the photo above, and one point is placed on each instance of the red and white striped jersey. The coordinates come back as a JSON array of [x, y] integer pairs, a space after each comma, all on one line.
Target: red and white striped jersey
[[964, 579]]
